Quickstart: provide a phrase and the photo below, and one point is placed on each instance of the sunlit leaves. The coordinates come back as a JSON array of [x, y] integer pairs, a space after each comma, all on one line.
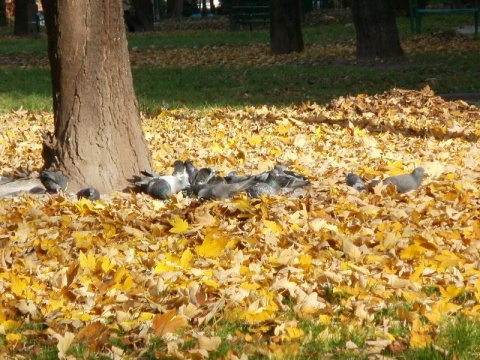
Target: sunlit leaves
[[153, 269]]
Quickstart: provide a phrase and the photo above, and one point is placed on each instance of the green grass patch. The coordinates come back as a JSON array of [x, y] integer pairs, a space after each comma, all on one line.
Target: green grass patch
[[29, 87]]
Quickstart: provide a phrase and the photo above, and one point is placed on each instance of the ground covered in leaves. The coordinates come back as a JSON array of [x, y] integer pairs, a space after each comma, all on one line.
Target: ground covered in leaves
[[134, 277]]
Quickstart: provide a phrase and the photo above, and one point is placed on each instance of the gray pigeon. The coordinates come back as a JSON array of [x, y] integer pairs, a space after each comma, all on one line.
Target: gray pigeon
[[355, 181], [290, 182], [180, 171], [403, 183], [217, 180], [232, 177], [192, 171], [89, 193], [53, 181], [268, 187], [204, 175], [221, 191], [160, 188], [281, 168]]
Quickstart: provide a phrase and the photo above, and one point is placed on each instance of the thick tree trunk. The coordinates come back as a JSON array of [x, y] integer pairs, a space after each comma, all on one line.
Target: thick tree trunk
[[98, 139], [377, 33], [144, 13], [285, 28]]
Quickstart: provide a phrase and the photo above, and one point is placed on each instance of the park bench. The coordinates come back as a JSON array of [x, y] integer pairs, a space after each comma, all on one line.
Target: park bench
[[249, 15], [416, 15]]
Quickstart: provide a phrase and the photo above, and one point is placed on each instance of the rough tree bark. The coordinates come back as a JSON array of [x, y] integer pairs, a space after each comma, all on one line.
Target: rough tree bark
[[285, 28], [98, 139], [377, 33]]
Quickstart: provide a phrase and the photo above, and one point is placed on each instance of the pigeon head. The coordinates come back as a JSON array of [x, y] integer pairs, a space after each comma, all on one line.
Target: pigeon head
[[418, 173], [89, 193]]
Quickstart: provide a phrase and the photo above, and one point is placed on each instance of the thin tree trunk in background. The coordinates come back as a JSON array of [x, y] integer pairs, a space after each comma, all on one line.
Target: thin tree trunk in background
[[3, 13], [285, 28], [212, 7], [174, 8], [98, 139], [25, 18], [376, 27], [144, 13]]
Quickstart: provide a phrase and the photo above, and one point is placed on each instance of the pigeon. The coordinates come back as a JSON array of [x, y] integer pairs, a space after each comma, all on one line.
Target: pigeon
[[355, 181], [150, 173], [403, 183], [281, 168], [192, 171], [221, 191], [290, 182], [161, 188], [267, 187], [204, 175], [217, 180], [180, 172], [177, 182], [232, 177], [89, 193], [53, 181]]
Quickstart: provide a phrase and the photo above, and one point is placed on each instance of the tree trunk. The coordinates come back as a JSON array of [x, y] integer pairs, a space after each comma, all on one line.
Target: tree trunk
[[3, 13], [98, 139], [175, 8], [377, 34], [144, 13], [285, 29], [25, 18], [212, 7]]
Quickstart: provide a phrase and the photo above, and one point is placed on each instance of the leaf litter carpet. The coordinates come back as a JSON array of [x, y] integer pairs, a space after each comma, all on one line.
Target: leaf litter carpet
[[132, 265]]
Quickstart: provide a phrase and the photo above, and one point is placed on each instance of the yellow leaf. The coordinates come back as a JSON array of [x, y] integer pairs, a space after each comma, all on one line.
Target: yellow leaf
[[19, 286], [325, 319], [254, 140], [419, 337], [82, 241], [272, 226], [88, 261], [211, 247], [187, 259], [412, 252], [13, 337], [415, 277], [179, 226], [294, 333], [451, 292]]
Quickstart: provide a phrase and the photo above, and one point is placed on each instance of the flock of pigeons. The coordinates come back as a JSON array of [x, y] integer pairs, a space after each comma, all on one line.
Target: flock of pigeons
[[206, 184]]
